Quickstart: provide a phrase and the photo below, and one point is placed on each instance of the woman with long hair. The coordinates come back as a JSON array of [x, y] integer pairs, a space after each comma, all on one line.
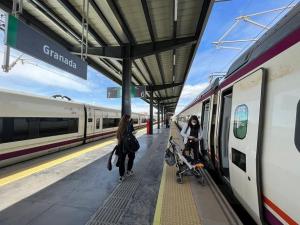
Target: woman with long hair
[[123, 129], [192, 134]]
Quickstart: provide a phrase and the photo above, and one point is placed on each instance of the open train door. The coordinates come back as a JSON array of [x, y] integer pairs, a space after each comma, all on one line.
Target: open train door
[[245, 141]]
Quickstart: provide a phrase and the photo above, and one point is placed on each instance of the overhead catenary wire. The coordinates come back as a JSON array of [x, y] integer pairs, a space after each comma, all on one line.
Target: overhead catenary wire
[[246, 18], [270, 24]]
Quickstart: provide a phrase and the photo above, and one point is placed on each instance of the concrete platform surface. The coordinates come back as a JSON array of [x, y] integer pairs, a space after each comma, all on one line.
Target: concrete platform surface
[[73, 191], [191, 203]]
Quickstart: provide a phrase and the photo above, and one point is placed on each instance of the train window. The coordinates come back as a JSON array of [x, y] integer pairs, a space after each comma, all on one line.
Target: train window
[[240, 121], [297, 128], [239, 159], [1, 130], [21, 129], [110, 122], [18, 129], [57, 126], [135, 121], [73, 125], [98, 123], [144, 120]]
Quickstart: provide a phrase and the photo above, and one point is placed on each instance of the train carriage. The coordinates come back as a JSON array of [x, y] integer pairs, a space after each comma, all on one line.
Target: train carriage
[[251, 123], [31, 126]]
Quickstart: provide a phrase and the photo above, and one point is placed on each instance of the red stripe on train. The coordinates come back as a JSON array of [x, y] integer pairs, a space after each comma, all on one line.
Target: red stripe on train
[[280, 212]]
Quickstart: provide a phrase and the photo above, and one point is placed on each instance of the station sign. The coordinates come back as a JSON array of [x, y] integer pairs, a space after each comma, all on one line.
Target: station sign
[[25, 39], [114, 92], [135, 91]]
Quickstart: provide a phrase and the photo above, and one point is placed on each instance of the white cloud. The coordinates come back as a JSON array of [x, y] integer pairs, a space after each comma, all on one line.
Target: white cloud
[[192, 91], [179, 108], [48, 77], [189, 93]]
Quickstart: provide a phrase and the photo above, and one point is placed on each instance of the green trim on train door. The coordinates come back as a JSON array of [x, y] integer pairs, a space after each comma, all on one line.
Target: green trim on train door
[[12, 30]]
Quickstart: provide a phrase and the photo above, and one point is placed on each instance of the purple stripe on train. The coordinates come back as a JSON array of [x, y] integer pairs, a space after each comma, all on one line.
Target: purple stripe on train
[[270, 218]]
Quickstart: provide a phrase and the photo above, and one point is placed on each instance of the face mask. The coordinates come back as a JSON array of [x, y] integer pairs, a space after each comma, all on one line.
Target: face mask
[[194, 123]]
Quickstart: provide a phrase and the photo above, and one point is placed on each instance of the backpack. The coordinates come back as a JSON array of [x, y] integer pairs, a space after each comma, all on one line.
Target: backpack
[[131, 144]]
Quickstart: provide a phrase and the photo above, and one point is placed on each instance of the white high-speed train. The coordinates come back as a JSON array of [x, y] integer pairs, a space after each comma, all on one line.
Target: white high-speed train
[[32, 126], [251, 123]]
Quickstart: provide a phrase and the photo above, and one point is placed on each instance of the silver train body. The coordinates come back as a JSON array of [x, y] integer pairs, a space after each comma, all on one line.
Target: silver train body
[[251, 122], [32, 126]]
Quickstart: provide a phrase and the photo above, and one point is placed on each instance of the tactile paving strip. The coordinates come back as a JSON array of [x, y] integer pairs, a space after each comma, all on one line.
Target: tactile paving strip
[[118, 201], [116, 204], [178, 206]]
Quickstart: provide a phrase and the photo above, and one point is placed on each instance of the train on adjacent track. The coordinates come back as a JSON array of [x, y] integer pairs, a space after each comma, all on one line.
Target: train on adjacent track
[[32, 126], [251, 124]]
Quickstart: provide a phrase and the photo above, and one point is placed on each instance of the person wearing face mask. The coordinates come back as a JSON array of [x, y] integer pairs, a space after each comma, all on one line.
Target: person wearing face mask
[[192, 134]]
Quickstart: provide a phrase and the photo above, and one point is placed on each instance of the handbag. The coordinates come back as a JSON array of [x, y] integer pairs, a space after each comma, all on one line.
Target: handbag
[[110, 161], [131, 144]]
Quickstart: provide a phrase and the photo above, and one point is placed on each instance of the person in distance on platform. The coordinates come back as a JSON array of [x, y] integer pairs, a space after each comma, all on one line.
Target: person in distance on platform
[[192, 134], [167, 122], [123, 129]]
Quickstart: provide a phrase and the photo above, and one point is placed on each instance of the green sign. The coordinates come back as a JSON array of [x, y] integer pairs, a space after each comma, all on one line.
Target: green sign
[[135, 91], [25, 39]]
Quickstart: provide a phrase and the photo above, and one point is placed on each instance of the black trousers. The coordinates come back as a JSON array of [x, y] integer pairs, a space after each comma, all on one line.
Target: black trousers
[[195, 147], [122, 158]]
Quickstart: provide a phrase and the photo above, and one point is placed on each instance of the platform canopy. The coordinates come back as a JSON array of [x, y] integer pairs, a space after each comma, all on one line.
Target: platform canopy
[[159, 36]]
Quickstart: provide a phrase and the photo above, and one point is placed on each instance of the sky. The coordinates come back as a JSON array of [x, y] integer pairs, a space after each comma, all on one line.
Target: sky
[[36, 77]]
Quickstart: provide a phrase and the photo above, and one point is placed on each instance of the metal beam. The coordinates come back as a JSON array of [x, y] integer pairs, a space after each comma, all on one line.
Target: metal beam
[[150, 29], [138, 50], [169, 104], [148, 71], [99, 68], [162, 86], [51, 15], [117, 13], [73, 11], [113, 6], [164, 98], [105, 21], [59, 22], [32, 21]]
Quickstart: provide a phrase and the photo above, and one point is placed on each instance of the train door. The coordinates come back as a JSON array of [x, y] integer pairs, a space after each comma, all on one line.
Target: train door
[[205, 124], [211, 150], [97, 120], [90, 121], [245, 140], [226, 99]]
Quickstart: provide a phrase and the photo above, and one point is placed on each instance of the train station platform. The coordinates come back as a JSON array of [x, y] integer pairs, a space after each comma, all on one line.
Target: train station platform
[[74, 187]]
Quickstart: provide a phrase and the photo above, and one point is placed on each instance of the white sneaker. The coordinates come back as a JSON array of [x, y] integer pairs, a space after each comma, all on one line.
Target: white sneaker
[[129, 173], [121, 179]]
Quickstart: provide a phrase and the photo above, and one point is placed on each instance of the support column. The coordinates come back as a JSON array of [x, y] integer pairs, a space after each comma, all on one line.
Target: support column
[[158, 115], [163, 115], [126, 85], [151, 112]]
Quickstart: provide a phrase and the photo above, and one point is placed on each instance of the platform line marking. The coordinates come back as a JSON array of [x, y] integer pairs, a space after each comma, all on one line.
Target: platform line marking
[[27, 172], [49, 164], [158, 209]]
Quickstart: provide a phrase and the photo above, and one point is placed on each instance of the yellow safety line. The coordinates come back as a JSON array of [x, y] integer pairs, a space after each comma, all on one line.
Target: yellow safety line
[[158, 209], [49, 164]]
